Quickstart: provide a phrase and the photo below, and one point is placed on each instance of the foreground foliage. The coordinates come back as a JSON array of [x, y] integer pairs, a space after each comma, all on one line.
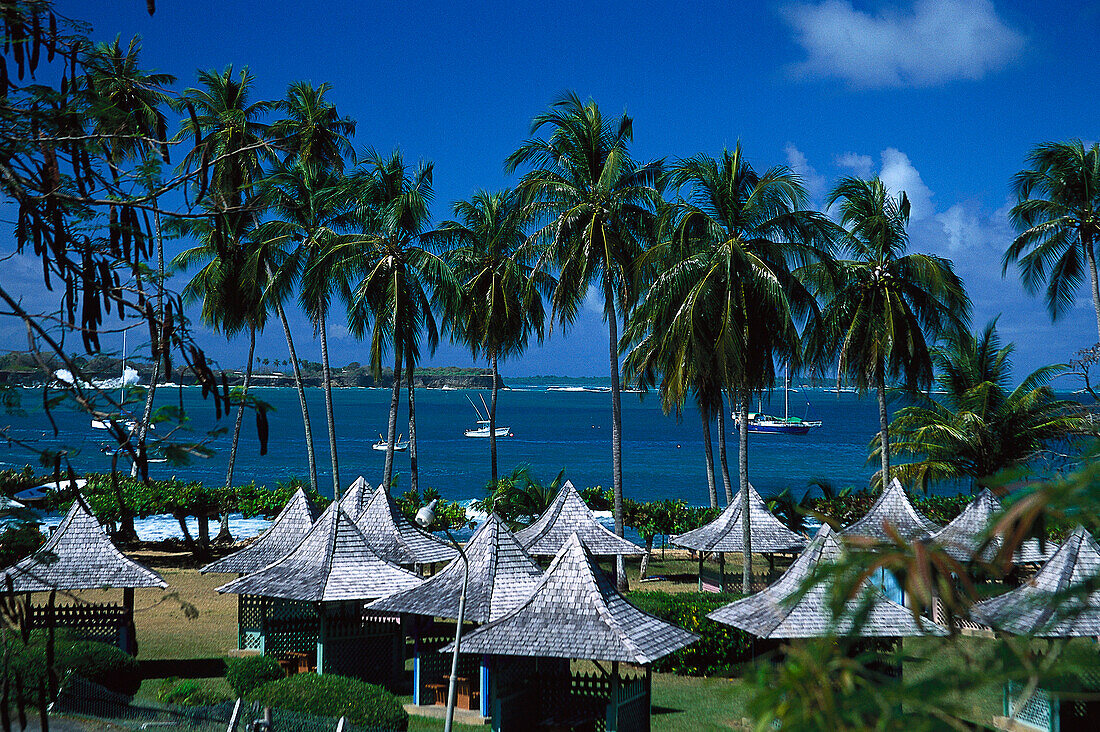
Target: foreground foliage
[[334, 696]]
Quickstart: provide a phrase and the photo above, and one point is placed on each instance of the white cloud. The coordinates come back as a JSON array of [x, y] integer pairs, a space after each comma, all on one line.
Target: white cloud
[[935, 42], [898, 174], [859, 165], [811, 179]]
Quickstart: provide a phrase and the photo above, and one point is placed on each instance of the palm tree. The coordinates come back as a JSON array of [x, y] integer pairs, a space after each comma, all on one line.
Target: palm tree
[[883, 306], [1058, 217], [980, 426], [597, 206], [309, 205], [743, 236], [400, 278], [129, 105], [502, 293], [313, 132]]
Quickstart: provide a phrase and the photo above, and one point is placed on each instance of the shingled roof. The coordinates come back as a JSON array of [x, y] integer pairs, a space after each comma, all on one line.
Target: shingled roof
[[569, 515], [356, 497], [893, 507], [776, 613], [333, 562], [502, 575], [288, 528], [962, 538], [79, 556], [1046, 605], [575, 612], [394, 538], [724, 534]]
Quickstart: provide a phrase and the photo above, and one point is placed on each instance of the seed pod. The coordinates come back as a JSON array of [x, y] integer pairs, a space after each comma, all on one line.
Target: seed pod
[[105, 283], [112, 227], [51, 43], [36, 40]]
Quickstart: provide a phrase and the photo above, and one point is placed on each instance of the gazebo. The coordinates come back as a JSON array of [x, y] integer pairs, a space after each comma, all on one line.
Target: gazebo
[[356, 497], [1047, 606], [286, 532], [80, 556], [324, 583], [501, 576], [726, 534], [779, 611], [892, 508], [394, 538], [574, 613], [569, 515], [966, 534]]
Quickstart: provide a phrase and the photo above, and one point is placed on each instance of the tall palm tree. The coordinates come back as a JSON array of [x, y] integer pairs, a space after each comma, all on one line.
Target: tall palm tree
[[981, 426], [400, 279], [308, 206], [1058, 216], [597, 206], [502, 292], [744, 235], [312, 131], [883, 307], [129, 115]]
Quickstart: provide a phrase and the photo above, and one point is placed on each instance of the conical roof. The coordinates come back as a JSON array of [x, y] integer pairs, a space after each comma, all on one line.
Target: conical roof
[[288, 528], [893, 508], [356, 497], [1047, 605], [776, 613], [576, 612], [502, 575], [394, 538], [569, 515], [332, 562], [79, 556], [724, 534], [962, 537]]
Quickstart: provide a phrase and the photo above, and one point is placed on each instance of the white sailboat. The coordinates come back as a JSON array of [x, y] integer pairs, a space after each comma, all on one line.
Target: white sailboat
[[786, 425], [482, 429], [398, 445], [125, 420]]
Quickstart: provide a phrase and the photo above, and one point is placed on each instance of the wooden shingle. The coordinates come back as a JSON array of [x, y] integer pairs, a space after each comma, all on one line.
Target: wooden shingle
[[79, 556], [285, 532], [569, 515], [965, 534], [893, 508], [394, 538], [356, 497], [725, 533]]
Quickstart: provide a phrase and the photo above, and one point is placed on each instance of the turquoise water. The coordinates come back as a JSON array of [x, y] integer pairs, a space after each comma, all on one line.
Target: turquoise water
[[662, 456]]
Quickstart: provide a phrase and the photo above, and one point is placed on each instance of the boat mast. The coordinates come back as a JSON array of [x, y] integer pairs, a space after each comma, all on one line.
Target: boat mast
[[787, 393]]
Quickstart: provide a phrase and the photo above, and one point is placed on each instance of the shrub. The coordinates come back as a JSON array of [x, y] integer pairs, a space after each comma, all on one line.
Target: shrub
[[189, 693], [251, 672], [99, 663], [327, 695], [719, 648], [19, 541]]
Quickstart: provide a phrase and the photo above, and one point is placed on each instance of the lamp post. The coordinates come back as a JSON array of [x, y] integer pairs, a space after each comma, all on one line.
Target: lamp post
[[425, 517]]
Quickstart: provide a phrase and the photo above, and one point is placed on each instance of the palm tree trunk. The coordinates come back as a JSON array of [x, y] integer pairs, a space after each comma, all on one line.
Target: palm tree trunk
[[708, 449], [301, 395], [327, 379], [616, 427], [414, 475], [722, 450], [223, 530], [884, 430], [1090, 255], [391, 430], [493, 423], [743, 479]]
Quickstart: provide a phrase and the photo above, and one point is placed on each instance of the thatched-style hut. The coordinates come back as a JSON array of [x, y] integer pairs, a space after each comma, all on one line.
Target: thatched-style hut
[[328, 577], [569, 515], [964, 538], [574, 613], [774, 612], [893, 509], [356, 497], [726, 534], [502, 575], [396, 539], [80, 556]]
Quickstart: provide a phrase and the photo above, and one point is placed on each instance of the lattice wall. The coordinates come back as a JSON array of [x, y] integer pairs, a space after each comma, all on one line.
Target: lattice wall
[[373, 651], [1040, 711], [106, 623]]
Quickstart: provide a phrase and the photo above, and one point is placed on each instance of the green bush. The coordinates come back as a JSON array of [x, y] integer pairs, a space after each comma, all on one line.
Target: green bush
[[327, 695], [19, 541], [189, 693], [99, 663], [719, 649], [251, 672]]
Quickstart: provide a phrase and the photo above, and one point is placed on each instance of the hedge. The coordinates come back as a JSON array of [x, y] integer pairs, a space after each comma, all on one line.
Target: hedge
[[364, 705], [247, 674], [719, 649], [99, 663], [190, 693]]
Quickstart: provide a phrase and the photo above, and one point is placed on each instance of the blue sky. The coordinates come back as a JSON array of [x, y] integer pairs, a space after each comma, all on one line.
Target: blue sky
[[942, 98]]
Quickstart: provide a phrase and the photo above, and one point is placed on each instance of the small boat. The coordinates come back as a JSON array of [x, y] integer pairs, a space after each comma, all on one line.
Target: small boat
[[482, 429], [398, 445], [767, 424]]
